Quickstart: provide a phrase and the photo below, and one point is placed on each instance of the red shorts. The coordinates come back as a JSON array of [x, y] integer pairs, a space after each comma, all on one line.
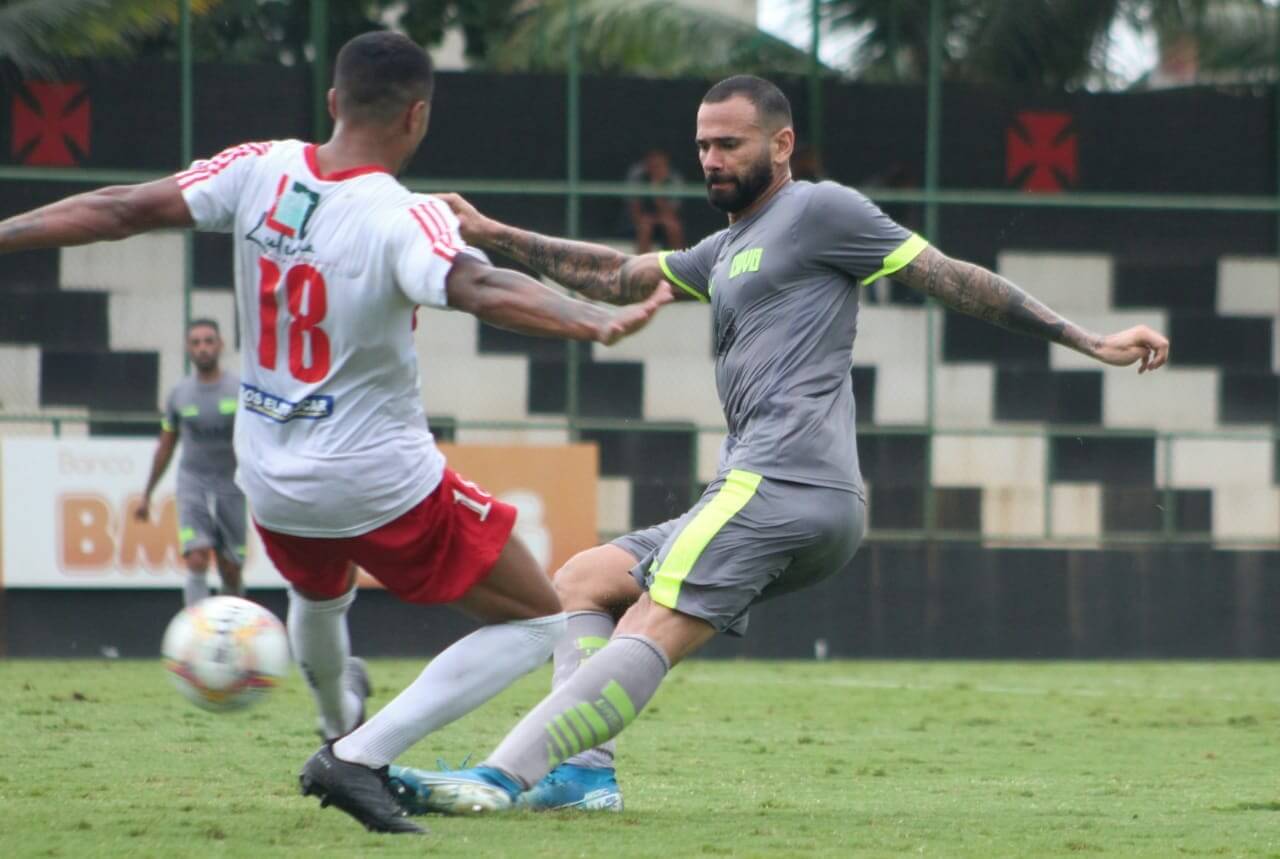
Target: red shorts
[[433, 554]]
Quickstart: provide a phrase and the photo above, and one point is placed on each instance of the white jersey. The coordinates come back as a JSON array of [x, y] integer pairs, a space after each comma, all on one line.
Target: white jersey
[[331, 438]]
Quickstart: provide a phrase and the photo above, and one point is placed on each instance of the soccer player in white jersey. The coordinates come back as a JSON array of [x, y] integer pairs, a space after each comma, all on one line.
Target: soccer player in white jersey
[[333, 256]]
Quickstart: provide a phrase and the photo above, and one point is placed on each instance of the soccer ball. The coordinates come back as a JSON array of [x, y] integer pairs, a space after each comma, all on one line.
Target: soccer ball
[[225, 653]]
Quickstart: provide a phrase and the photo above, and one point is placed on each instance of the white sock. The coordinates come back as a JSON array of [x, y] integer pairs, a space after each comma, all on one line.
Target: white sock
[[321, 644], [194, 588], [453, 684]]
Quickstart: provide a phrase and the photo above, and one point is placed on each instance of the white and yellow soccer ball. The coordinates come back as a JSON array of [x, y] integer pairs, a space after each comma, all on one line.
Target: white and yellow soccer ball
[[225, 653]]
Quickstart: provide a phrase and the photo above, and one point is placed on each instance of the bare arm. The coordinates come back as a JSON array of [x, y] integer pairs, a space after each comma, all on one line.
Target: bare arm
[[106, 214], [974, 290], [511, 300], [596, 271], [159, 464]]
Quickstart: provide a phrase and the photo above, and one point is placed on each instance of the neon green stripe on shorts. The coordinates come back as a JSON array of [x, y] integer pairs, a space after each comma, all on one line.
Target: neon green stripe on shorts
[[739, 488]]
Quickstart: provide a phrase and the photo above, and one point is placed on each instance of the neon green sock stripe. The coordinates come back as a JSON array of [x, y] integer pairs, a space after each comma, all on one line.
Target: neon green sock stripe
[[738, 489], [575, 741], [670, 275], [558, 738], [556, 750], [580, 726], [590, 643], [599, 728], [905, 253], [620, 701]]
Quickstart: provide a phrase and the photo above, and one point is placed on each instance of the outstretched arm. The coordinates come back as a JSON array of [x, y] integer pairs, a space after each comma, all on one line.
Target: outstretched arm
[[978, 292], [595, 271], [159, 464], [106, 214], [511, 300]]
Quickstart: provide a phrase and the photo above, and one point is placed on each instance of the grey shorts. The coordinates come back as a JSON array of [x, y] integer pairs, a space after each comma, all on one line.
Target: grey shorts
[[748, 539], [212, 520]]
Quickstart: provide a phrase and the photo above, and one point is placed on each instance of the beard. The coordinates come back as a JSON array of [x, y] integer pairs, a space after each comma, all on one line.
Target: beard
[[204, 363], [741, 191]]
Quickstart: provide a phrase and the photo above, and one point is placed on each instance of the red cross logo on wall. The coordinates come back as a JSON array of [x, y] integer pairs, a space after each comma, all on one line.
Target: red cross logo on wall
[[1040, 151], [51, 124]]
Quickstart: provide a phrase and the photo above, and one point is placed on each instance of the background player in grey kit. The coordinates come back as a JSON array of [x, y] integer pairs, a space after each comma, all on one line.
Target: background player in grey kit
[[786, 507], [201, 412]]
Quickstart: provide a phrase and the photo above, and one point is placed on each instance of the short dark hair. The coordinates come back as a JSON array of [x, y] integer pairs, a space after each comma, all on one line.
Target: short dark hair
[[771, 104], [204, 321], [379, 74]]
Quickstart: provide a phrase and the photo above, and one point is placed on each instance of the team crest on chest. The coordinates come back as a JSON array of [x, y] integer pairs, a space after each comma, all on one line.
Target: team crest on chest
[[746, 261]]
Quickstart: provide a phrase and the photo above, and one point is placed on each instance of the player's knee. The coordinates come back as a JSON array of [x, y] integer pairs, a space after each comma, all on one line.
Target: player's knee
[[594, 580], [574, 576]]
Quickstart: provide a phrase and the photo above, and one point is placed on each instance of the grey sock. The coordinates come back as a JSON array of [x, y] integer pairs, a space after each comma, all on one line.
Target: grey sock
[[587, 633], [591, 707], [194, 588]]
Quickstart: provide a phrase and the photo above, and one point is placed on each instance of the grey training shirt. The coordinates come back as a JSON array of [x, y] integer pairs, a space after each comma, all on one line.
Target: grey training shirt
[[204, 416], [783, 291]]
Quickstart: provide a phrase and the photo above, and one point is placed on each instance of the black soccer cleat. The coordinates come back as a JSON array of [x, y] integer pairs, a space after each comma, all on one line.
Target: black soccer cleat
[[360, 791]]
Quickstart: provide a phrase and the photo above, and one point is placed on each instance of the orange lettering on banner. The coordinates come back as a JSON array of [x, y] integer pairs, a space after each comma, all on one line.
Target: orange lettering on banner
[[156, 539], [86, 533]]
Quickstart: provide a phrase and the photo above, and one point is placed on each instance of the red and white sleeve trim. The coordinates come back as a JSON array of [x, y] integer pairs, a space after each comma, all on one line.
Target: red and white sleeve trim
[[208, 168], [436, 228]]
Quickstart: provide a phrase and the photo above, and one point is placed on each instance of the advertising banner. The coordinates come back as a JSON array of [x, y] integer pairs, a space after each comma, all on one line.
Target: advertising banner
[[67, 519]]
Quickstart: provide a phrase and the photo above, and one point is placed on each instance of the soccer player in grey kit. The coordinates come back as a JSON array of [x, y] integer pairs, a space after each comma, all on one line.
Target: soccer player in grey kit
[[201, 413], [786, 508]]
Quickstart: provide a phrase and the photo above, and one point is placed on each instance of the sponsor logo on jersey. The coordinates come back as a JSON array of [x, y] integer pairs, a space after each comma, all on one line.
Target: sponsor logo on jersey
[[282, 229], [746, 261], [292, 209], [281, 410]]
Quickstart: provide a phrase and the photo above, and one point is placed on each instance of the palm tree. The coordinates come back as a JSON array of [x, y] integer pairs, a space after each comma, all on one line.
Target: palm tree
[[1050, 44], [648, 37], [658, 38], [35, 33], [1228, 41], [1045, 43]]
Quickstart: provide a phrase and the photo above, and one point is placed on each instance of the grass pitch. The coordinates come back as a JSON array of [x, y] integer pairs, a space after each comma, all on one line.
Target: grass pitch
[[104, 759]]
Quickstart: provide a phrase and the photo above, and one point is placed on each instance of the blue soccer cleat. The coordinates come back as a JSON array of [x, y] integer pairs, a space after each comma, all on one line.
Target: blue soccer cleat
[[574, 787], [477, 790], [408, 790]]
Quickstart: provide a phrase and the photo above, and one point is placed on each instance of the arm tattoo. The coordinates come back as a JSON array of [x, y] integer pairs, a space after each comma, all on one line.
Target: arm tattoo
[[13, 229], [596, 271], [974, 290]]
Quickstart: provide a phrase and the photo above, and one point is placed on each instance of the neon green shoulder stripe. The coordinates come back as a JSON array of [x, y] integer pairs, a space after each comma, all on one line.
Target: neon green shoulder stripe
[[905, 253], [666, 270]]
